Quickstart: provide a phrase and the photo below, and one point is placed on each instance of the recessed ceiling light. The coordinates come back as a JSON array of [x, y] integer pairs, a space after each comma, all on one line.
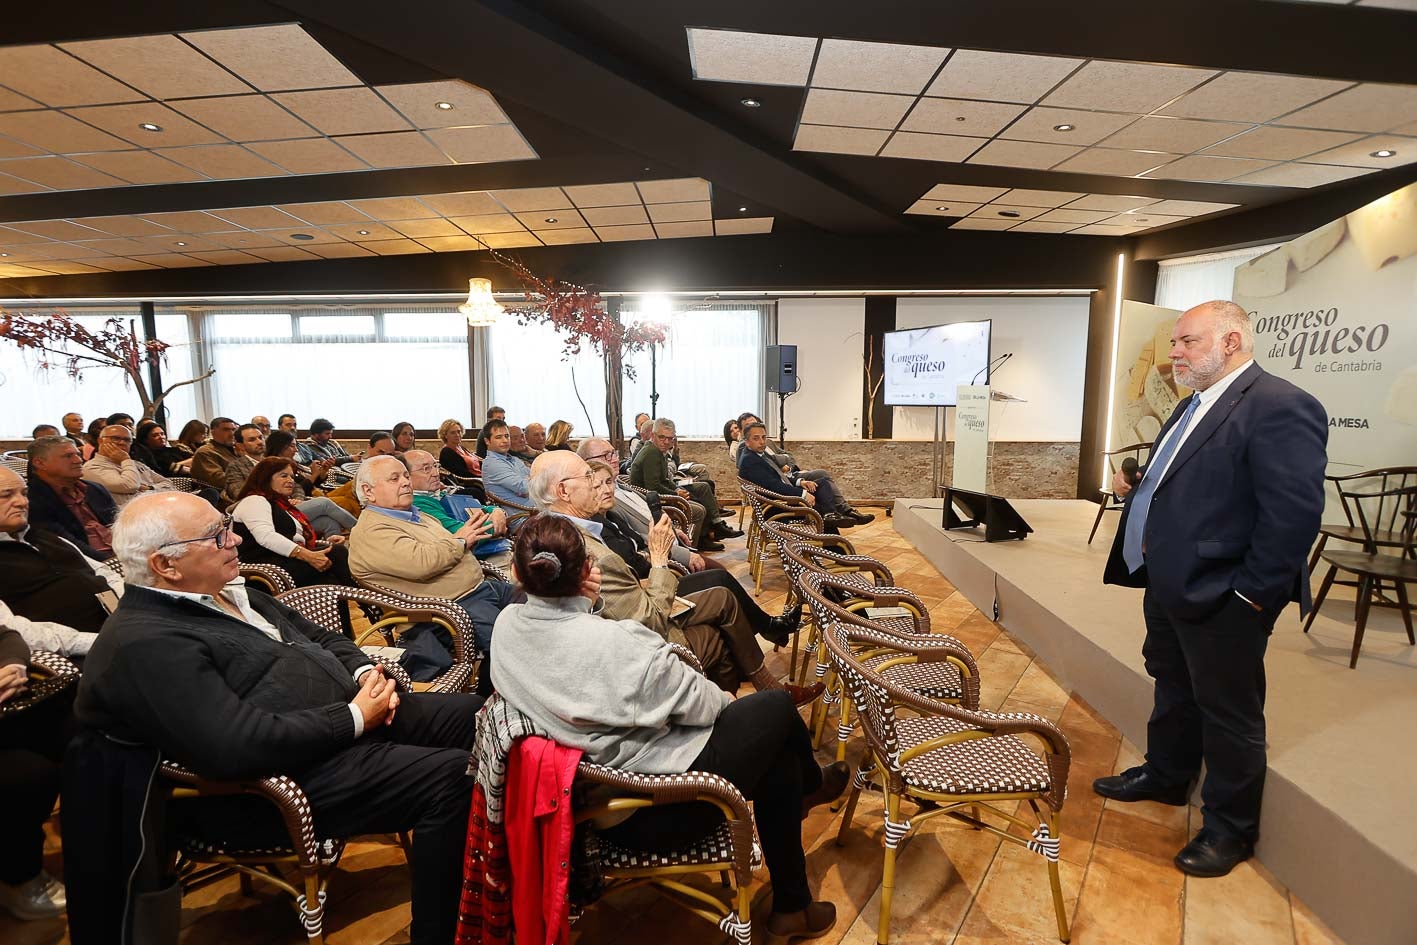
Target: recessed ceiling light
[[942, 207], [301, 236], [180, 243], [750, 103], [149, 126], [1141, 219], [961, 118], [1063, 127], [363, 232], [4, 254], [742, 209], [1384, 153], [444, 106], [550, 219], [1011, 214]]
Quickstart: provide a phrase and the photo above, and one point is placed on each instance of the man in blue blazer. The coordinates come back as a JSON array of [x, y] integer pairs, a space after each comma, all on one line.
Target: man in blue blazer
[[755, 466], [1217, 529]]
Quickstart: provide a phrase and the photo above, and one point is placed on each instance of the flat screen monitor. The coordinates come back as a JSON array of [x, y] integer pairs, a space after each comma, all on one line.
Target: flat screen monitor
[[925, 366]]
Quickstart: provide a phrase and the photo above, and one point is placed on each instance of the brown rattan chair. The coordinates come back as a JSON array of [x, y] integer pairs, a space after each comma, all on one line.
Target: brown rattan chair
[[778, 532], [768, 507], [271, 578], [517, 512], [49, 675], [1111, 502], [947, 760]]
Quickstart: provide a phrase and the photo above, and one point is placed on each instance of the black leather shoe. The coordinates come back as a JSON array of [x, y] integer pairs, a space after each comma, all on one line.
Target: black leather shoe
[[780, 629], [722, 530], [1141, 784], [837, 520], [862, 518], [1213, 853], [708, 544]]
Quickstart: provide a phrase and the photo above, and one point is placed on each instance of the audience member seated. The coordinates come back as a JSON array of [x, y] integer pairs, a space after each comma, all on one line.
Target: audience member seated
[[558, 436], [634, 511], [643, 426], [113, 468], [503, 475], [263, 424], [651, 469], [234, 685], [192, 437], [49, 591], [44, 429], [324, 513], [381, 443], [62, 503], [454, 457], [714, 628], [73, 429], [405, 438], [286, 422], [250, 450], [321, 444], [274, 530], [519, 446], [393, 545], [617, 692], [168, 460], [432, 498], [32, 743], [123, 419], [210, 461], [91, 437], [732, 433], [535, 439], [480, 447], [760, 468]]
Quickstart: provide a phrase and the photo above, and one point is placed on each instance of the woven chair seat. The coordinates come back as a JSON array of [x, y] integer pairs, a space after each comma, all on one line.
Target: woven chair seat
[[936, 680], [999, 764], [717, 847], [328, 850], [898, 624]]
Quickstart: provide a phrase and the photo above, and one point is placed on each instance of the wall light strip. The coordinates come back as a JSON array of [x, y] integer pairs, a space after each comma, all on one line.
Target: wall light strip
[[1112, 366]]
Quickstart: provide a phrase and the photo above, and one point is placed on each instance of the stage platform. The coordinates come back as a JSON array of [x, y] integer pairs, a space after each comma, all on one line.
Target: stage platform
[[1340, 811]]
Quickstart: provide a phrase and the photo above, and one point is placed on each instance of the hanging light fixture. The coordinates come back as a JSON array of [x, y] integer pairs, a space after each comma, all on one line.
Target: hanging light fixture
[[480, 309]]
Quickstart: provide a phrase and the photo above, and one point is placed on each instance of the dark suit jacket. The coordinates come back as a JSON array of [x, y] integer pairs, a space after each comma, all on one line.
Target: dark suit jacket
[[49, 512], [1239, 506], [760, 471]]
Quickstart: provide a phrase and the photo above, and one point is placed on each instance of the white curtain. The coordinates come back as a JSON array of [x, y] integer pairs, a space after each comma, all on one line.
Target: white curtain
[[535, 381], [1191, 280]]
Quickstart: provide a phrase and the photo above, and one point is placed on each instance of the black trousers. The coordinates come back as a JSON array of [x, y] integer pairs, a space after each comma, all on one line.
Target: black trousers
[[760, 744], [411, 775], [1209, 706], [32, 743], [759, 619]]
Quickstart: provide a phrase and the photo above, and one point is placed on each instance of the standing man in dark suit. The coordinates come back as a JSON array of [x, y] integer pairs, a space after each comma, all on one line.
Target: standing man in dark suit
[[1217, 529]]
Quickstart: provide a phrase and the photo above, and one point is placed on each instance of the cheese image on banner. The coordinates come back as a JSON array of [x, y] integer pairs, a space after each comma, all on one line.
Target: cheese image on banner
[[1145, 392]]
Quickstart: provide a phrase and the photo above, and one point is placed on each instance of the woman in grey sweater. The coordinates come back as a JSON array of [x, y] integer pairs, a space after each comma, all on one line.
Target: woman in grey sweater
[[615, 690]]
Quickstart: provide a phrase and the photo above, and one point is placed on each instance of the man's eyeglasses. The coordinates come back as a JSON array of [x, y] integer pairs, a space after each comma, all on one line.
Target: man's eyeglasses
[[220, 536], [588, 477], [603, 457]]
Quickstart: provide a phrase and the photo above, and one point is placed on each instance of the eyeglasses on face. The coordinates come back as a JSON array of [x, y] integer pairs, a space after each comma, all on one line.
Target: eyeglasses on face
[[221, 535], [588, 477], [606, 455]]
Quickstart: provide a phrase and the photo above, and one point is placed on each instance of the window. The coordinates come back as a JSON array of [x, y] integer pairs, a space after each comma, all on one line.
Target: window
[[532, 380], [1191, 280]]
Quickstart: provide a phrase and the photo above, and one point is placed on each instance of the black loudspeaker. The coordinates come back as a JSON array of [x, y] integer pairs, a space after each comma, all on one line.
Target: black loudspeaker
[[782, 369], [1001, 520]]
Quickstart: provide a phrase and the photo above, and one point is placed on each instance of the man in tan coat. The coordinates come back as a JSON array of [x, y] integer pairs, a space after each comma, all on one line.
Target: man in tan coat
[[113, 468]]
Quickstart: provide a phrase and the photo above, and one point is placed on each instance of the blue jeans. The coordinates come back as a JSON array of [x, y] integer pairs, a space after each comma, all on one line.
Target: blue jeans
[[483, 603]]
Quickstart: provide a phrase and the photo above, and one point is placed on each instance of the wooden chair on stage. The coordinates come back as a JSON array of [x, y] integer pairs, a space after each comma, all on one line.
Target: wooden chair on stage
[[1387, 532], [1111, 502]]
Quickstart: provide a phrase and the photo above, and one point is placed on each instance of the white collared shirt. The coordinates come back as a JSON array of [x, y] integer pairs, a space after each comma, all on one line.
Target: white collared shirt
[[1207, 399]]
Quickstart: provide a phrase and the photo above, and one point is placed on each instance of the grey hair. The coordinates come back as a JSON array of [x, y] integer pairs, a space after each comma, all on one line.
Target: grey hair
[[584, 449], [365, 476], [546, 475], [139, 532], [663, 423], [1231, 317], [46, 446]]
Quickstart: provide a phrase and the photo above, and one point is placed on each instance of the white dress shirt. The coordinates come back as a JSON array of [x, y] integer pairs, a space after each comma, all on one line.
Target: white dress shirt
[[1207, 399]]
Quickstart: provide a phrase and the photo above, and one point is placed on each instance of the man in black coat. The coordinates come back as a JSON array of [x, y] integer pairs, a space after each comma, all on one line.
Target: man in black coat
[[63, 503], [232, 684], [1217, 529]]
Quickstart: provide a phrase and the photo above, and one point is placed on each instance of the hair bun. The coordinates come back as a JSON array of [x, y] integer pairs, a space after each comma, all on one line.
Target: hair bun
[[551, 558]]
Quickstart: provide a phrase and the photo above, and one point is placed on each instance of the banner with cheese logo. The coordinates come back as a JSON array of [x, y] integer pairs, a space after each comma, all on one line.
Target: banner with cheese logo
[[1335, 312], [1144, 392]]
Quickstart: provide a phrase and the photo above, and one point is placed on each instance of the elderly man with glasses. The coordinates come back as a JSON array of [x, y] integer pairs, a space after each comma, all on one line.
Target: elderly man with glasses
[[114, 468], [454, 511], [234, 685]]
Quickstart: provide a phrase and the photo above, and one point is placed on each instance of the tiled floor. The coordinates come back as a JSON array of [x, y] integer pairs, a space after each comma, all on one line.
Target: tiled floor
[[954, 886]]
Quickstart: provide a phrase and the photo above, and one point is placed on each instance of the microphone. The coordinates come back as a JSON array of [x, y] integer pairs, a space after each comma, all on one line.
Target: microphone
[[997, 362], [1129, 469]]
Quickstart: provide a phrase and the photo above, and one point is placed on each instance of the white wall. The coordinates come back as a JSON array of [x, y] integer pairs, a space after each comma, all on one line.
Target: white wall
[[1048, 338], [829, 340]]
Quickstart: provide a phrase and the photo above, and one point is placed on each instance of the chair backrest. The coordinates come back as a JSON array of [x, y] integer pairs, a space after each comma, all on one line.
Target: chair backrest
[[1138, 451], [324, 604], [20, 466], [1376, 498]]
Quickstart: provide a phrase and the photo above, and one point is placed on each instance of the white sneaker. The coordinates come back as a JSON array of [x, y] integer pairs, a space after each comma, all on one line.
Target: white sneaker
[[41, 898]]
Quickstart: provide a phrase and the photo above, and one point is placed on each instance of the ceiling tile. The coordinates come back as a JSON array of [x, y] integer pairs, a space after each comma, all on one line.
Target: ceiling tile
[[174, 261], [62, 268], [421, 229], [308, 156], [366, 232], [953, 116], [1040, 124], [612, 216], [418, 102], [178, 243], [875, 67], [674, 231], [283, 254], [1133, 87], [55, 78], [1144, 218], [551, 219], [1007, 211], [677, 190], [22, 272], [1074, 217], [122, 226], [1251, 96], [13, 185], [510, 240], [10, 101], [10, 236], [244, 240], [1410, 130], [162, 66], [854, 109], [838, 140], [274, 58], [742, 226], [923, 147], [483, 144], [1366, 107], [564, 237], [527, 199], [58, 230], [58, 173], [1204, 167], [935, 208], [189, 221], [122, 247], [324, 214], [223, 161], [9, 148], [57, 133], [1000, 77], [13, 255], [244, 117], [465, 204], [343, 111], [1022, 154], [396, 247], [1041, 226], [1280, 144], [1106, 229], [124, 120], [681, 212], [295, 235], [759, 58], [1177, 135], [1302, 175], [1110, 202], [394, 149], [340, 250], [484, 223], [604, 195], [1360, 153], [118, 264], [257, 218], [967, 192], [68, 250], [139, 167], [611, 234], [975, 223], [1188, 208], [451, 244], [227, 257], [1113, 162], [394, 208], [1039, 198]]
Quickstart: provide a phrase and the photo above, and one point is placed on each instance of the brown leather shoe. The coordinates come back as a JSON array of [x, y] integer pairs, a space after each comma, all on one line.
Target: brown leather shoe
[[835, 778], [804, 695], [816, 920]]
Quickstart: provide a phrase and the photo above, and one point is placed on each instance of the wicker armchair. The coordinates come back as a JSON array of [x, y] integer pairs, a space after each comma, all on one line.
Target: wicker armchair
[[18, 465], [516, 511], [950, 761], [271, 578], [676, 507], [768, 507], [388, 610], [185, 483], [49, 675]]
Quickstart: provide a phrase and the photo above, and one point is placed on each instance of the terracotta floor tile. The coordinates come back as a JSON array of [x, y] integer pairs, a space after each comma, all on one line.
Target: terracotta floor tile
[[999, 672], [1013, 704], [1164, 815], [1038, 687], [1015, 904], [1128, 898], [1078, 713], [1246, 906], [1124, 831]]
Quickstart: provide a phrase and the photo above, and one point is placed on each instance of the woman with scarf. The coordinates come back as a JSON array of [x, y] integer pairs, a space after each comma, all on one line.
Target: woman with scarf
[[273, 530]]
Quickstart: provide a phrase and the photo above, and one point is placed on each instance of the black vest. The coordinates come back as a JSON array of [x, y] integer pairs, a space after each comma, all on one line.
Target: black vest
[[46, 578]]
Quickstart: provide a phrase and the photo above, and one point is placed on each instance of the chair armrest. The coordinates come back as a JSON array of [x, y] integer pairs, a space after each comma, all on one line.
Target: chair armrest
[[275, 578], [496, 573], [50, 674], [866, 563], [280, 790]]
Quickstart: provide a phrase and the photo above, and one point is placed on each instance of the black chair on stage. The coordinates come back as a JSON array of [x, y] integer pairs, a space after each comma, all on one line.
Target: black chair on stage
[[1111, 502]]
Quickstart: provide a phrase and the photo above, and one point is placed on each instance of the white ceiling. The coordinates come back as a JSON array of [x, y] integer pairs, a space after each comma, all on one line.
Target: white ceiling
[[1055, 211], [384, 226], [264, 101], [1128, 119]]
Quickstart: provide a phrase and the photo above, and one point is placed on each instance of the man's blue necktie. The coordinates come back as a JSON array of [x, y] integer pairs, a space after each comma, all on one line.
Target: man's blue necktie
[[1141, 501]]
